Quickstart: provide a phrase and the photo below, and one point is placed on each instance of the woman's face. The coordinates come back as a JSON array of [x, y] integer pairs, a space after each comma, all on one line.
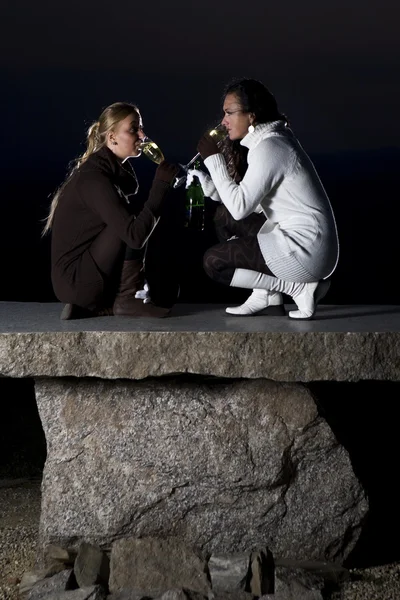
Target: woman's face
[[235, 120], [127, 136]]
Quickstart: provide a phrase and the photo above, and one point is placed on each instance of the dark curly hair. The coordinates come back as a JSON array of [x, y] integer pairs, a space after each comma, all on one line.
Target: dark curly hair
[[254, 97]]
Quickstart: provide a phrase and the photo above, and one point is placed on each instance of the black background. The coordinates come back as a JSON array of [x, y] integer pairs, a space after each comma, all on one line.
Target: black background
[[332, 66]]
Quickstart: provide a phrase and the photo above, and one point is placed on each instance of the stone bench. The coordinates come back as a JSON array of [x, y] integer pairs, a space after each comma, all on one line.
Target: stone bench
[[200, 426]]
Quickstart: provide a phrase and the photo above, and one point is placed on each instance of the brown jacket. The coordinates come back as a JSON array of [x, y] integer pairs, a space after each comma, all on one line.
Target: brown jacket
[[90, 201]]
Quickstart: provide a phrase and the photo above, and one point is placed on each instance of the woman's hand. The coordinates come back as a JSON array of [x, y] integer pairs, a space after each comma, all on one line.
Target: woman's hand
[[207, 146], [166, 171], [206, 183]]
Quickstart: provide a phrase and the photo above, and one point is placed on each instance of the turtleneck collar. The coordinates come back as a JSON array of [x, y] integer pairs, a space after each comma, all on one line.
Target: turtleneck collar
[[263, 130], [106, 160], [123, 175]]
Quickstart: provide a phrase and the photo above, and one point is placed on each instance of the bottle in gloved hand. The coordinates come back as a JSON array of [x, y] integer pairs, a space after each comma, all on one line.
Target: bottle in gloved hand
[[195, 204]]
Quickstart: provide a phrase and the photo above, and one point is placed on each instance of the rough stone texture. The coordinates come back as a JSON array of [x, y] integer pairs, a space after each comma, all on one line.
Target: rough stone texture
[[156, 566], [130, 595], [185, 594], [17, 554], [57, 553], [224, 466], [262, 572], [229, 571], [231, 596], [297, 584], [298, 356], [374, 583], [295, 591], [50, 586], [181, 595], [312, 572], [31, 578], [88, 593], [92, 566]]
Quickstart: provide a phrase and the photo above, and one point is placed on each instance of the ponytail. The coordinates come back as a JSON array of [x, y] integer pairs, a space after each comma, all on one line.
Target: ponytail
[[93, 143], [96, 138]]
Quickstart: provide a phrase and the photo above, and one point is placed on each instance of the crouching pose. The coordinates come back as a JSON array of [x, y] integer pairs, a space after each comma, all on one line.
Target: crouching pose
[[98, 235], [295, 247]]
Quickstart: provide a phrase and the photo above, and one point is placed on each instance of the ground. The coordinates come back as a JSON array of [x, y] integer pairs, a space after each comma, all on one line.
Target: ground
[[19, 523]]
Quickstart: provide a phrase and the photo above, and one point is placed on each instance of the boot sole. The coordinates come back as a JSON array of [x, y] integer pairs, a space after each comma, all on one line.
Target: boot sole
[[72, 312], [277, 310], [320, 292], [67, 312], [141, 313]]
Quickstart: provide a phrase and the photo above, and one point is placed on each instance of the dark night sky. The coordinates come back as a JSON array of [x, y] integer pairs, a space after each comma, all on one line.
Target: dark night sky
[[332, 65]]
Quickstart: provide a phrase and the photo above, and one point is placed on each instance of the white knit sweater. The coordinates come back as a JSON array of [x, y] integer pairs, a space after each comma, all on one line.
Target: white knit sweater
[[299, 240]]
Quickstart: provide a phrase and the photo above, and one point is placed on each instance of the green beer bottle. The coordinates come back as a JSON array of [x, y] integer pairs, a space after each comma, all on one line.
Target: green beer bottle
[[195, 204]]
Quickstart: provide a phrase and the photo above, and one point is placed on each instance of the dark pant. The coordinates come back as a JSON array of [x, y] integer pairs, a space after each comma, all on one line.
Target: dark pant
[[108, 252], [243, 252]]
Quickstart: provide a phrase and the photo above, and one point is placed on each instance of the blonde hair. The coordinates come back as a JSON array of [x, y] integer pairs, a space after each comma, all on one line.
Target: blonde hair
[[96, 138]]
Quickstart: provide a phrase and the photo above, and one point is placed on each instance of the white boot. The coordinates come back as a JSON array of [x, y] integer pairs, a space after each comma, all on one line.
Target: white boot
[[269, 303], [305, 295], [307, 301]]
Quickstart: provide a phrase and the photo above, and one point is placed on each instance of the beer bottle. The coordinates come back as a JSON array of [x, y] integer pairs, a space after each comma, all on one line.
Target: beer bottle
[[195, 204]]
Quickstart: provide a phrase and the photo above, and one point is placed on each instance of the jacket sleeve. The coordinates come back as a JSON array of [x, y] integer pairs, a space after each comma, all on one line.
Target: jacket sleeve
[[99, 194], [269, 162]]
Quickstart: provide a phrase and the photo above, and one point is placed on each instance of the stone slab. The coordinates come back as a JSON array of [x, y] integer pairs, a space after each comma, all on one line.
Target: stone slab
[[344, 343]]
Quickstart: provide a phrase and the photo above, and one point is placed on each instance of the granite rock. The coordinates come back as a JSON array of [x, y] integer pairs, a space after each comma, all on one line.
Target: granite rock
[[156, 566], [226, 466], [280, 356]]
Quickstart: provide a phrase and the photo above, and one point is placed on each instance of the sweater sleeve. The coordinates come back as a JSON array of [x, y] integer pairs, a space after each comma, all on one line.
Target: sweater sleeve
[[99, 195], [268, 163]]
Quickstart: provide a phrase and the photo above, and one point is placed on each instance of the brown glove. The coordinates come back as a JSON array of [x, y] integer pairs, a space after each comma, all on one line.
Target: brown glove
[[166, 171], [207, 146]]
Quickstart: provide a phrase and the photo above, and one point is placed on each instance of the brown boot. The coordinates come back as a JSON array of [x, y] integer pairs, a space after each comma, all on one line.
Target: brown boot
[[73, 311], [125, 303]]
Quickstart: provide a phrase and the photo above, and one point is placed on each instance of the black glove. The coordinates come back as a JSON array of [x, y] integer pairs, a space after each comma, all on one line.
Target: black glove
[[207, 146], [166, 171]]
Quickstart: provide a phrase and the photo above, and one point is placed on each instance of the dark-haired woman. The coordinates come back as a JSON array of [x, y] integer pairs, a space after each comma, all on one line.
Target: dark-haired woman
[[296, 247]]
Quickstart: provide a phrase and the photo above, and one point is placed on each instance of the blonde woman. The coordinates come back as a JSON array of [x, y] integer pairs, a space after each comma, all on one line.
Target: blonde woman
[[97, 266]]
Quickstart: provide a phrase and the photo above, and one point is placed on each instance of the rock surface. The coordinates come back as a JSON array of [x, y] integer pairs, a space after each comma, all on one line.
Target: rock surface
[[47, 587], [156, 566], [17, 554], [228, 571], [281, 356], [92, 566], [223, 465]]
